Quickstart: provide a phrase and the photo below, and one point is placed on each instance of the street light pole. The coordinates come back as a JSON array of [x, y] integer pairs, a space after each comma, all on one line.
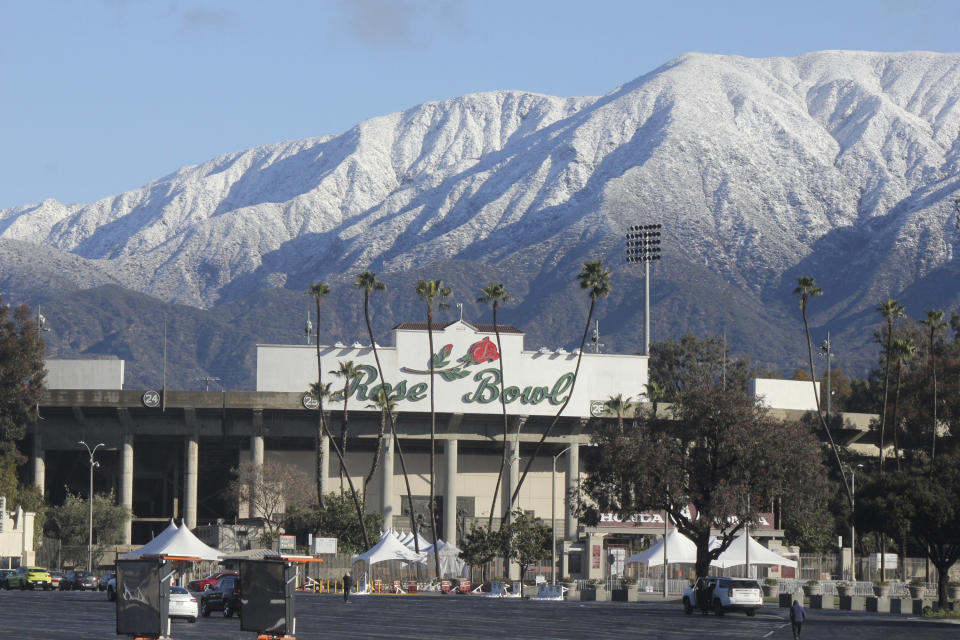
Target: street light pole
[[93, 464], [853, 516], [643, 245], [553, 518]]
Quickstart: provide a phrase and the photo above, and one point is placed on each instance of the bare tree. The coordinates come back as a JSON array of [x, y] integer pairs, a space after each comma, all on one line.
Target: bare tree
[[271, 489]]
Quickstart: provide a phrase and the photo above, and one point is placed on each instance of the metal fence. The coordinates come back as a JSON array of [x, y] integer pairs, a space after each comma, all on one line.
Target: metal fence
[[827, 567]]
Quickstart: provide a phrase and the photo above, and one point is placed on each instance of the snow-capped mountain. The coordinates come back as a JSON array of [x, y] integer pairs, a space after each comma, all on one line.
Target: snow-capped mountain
[[840, 165]]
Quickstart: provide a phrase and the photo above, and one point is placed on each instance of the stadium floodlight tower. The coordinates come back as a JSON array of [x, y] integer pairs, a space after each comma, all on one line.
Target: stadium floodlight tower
[[643, 245]]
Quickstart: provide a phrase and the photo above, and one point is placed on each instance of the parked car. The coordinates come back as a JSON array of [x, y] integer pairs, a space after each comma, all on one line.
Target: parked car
[[224, 596], [112, 588], [183, 604], [55, 578], [724, 594], [28, 578], [203, 584], [104, 579], [3, 577], [79, 581]]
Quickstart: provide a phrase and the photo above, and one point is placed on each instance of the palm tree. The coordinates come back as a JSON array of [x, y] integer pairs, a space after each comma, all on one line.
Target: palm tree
[[806, 289], [430, 292], [493, 295], [318, 291], [656, 391], [368, 283], [891, 310], [903, 349], [596, 279], [936, 325], [386, 406], [619, 405], [320, 391], [349, 372]]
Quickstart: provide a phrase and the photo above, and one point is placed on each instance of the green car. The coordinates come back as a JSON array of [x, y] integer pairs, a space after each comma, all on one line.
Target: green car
[[28, 578]]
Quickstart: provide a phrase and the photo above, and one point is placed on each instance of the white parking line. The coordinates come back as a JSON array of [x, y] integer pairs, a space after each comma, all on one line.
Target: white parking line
[[775, 630]]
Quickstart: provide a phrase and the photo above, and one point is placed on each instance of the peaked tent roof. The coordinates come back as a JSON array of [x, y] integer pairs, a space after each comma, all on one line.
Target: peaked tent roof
[[153, 547], [389, 548], [181, 542], [736, 554], [406, 539], [680, 548]]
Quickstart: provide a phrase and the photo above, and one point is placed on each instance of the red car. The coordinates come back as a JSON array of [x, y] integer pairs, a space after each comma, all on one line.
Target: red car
[[205, 584]]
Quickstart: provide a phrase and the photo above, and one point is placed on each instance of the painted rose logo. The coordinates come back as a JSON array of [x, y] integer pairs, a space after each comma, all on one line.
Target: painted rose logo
[[484, 351], [477, 353]]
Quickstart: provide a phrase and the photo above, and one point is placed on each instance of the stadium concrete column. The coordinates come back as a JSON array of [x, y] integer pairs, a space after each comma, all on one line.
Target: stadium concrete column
[[39, 462], [511, 569], [256, 457], [190, 481], [126, 484], [572, 493], [386, 483], [450, 492], [509, 483], [325, 465]]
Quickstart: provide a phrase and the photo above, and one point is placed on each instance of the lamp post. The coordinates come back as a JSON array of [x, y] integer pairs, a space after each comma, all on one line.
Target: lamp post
[[93, 463], [643, 245], [853, 515]]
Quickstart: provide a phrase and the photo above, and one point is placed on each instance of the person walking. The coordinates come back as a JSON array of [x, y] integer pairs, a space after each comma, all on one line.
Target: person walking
[[797, 616], [347, 585]]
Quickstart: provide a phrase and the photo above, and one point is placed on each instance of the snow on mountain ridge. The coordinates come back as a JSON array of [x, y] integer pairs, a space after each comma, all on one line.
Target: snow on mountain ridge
[[750, 163]]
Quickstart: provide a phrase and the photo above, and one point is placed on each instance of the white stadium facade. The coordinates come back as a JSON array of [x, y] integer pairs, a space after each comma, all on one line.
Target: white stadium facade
[[169, 454]]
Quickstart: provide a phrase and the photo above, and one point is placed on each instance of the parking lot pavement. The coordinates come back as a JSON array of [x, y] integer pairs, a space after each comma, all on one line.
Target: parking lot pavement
[[87, 615]]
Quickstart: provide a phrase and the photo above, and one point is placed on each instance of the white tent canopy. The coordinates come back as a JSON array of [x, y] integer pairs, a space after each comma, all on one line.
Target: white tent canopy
[[736, 554], [176, 542], [451, 565], [389, 548], [407, 539], [680, 548], [155, 546]]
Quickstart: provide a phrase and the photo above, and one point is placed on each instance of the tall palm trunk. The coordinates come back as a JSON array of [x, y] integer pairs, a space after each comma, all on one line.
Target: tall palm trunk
[[816, 396], [896, 407], [886, 386], [393, 427], [319, 435], [343, 430], [506, 428], [377, 454], [556, 418], [933, 368], [353, 491], [433, 447]]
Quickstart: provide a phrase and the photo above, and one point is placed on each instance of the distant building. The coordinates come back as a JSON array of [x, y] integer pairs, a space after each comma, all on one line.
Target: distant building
[[16, 536]]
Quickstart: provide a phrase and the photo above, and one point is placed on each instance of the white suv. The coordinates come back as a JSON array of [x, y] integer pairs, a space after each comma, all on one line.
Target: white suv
[[723, 594]]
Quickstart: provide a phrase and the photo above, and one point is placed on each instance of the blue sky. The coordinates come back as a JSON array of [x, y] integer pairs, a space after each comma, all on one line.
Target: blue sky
[[102, 96]]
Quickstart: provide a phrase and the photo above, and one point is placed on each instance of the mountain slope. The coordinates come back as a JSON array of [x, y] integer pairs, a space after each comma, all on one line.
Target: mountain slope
[[840, 165]]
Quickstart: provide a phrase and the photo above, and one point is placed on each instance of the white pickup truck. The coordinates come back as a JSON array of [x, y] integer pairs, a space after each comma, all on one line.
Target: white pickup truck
[[723, 594]]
